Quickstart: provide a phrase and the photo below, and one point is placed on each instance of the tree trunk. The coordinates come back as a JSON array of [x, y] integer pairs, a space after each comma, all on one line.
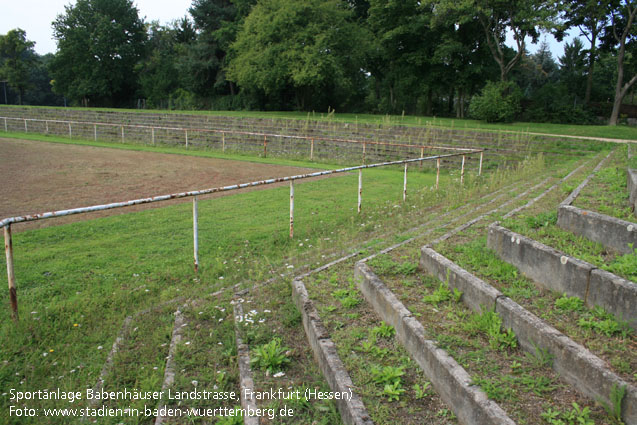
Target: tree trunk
[[591, 67], [620, 91]]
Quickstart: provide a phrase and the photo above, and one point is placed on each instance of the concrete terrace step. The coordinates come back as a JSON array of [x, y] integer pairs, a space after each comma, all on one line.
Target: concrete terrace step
[[582, 369], [618, 235], [559, 272]]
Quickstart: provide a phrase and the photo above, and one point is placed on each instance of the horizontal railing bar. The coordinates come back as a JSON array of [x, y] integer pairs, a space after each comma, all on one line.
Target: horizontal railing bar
[[62, 213], [245, 133]]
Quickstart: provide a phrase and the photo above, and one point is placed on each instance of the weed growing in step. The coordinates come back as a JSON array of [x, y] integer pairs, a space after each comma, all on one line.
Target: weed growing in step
[[390, 378], [347, 297], [421, 391], [624, 265], [574, 416], [566, 303], [542, 220], [384, 265], [383, 331], [614, 409], [490, 324], [603, 322], [443, 294], [540, 358], [270, 357]]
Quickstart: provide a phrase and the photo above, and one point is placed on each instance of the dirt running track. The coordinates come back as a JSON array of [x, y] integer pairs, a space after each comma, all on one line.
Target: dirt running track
[[38, 177]]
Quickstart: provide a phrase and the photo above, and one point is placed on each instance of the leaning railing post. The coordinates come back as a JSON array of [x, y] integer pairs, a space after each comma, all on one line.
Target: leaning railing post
[[291, 209], [462, 171], [195, 231], [8, 249]]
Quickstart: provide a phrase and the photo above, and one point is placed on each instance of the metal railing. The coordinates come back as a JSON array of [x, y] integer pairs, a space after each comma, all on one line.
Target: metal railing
[[8, 222], [187, 141]]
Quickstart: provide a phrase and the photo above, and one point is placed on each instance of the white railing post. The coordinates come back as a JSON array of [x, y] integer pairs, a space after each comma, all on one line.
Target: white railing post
[[223, 141], [360, 189], [70, 132], [195, 232], [291, 209], [312, 150], [405, 184], [480, 168], [95, 132], [8, 249], [47, 127], [122, 134], [152, 131], [6, 129], [26, 130], [437, 172], [462, 171], [186, 131]]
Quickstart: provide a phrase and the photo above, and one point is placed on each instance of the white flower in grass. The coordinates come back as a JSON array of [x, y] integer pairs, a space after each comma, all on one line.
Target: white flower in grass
[[187, 343], [194, 383], [99, 347], [278, 374]]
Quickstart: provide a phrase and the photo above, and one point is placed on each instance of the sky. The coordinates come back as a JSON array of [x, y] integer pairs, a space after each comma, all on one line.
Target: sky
[[35, 17]]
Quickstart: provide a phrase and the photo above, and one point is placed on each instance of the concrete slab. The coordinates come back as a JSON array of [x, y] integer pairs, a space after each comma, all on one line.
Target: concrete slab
[[352, 410], [558, 272], [543, 264], [618, 235], [578, 366], [470, 404]]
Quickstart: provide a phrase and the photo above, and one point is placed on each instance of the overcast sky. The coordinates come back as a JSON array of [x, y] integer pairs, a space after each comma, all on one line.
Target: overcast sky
[[35, 17]]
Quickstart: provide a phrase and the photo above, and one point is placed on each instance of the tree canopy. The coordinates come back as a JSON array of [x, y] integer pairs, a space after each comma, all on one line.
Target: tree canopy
[[99, 44], [431, 57], [16, 58]]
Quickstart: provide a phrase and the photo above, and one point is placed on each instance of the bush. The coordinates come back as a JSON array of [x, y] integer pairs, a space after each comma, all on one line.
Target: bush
[[553, 103], [498, 102]]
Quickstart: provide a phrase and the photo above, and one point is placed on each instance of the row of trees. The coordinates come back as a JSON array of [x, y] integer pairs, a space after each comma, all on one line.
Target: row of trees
[[385, 56]]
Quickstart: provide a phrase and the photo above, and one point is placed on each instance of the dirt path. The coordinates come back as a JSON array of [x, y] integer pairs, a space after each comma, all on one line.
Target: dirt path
[[37, 177]]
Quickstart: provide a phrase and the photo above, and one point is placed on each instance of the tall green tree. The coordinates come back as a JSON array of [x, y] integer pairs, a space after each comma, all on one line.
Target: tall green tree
[[400, 57], [523, 18], [217, 23], [591, 17], [16, 58], [304, 55], [99, 44], [621, 35]]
